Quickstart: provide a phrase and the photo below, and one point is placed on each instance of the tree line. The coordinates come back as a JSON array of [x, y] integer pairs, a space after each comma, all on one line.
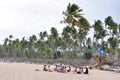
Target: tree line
[[75, 41]]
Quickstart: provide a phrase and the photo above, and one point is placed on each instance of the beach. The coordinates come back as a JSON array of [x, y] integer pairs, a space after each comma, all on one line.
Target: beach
[[27, 71]]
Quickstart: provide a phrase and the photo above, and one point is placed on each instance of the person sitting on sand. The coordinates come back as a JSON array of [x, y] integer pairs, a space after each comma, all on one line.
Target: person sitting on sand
[[49, 70], [56, 68], [62, 69], [69, 69], [75, 70], [59, 69], [80, 71], [45, 68], [86, 71]]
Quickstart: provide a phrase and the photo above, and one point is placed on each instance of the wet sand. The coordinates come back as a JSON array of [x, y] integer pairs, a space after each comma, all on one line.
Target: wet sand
[[24, 71]]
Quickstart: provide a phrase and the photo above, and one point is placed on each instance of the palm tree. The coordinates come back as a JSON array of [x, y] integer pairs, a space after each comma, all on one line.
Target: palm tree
[[82, 33], [72, 14], [42, 44], [85, 25], [54, 32], [5, 47], [114, 31], [16, 48], [32, 40], [67, 37], [54, 39], [10, 45], [73, 17], [6, 44], [42, 35], [24, 46], [112, 26], [99, 32]]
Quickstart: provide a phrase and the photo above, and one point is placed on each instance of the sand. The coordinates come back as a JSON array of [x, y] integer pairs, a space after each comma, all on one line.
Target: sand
[[23, 71]]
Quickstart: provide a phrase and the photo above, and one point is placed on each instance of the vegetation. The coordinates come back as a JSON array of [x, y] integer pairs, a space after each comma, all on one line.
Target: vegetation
[[74, 42]]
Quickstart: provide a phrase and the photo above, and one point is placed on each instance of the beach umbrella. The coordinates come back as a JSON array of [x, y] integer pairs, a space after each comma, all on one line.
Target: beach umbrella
[[102, 53]]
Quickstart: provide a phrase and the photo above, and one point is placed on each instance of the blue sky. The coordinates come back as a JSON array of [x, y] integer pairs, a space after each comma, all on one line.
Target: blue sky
[[27, 17]]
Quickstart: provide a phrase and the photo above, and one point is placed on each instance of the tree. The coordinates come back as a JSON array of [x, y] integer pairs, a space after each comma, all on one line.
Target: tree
[[67, 36], [112, 26], [73, 17], [72, 14], [5, 45], [82, 33], [99, 32], [16, 48], [32, 40], [114, 31], [24, 46], [10, 45], [85, 25], [54, 39]]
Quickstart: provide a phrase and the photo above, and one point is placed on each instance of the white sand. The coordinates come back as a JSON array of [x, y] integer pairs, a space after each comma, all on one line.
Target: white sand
[[23, 71]]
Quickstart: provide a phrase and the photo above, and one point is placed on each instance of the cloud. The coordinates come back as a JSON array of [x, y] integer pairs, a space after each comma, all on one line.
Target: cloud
[[26, 17]]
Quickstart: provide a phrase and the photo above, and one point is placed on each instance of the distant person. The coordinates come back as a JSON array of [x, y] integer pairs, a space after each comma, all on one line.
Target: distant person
[[86, 71], [62, 69], [45, 68], [69, 69], [49, 70], [59, 69], [80, 71], [56, 68], [75, 70]]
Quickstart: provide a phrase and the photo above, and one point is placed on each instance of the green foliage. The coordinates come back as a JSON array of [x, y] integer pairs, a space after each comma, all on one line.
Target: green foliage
[[57, 55], [113, 42], [119, 50], [84, 23], [54, 32], [47, 52], [87, 55]]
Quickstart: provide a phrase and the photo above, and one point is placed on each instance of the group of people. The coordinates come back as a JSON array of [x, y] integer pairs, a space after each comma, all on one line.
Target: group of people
[[65, 69]]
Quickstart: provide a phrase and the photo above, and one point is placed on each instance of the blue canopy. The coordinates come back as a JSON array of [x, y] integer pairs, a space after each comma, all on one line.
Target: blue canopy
[[102, 53]]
